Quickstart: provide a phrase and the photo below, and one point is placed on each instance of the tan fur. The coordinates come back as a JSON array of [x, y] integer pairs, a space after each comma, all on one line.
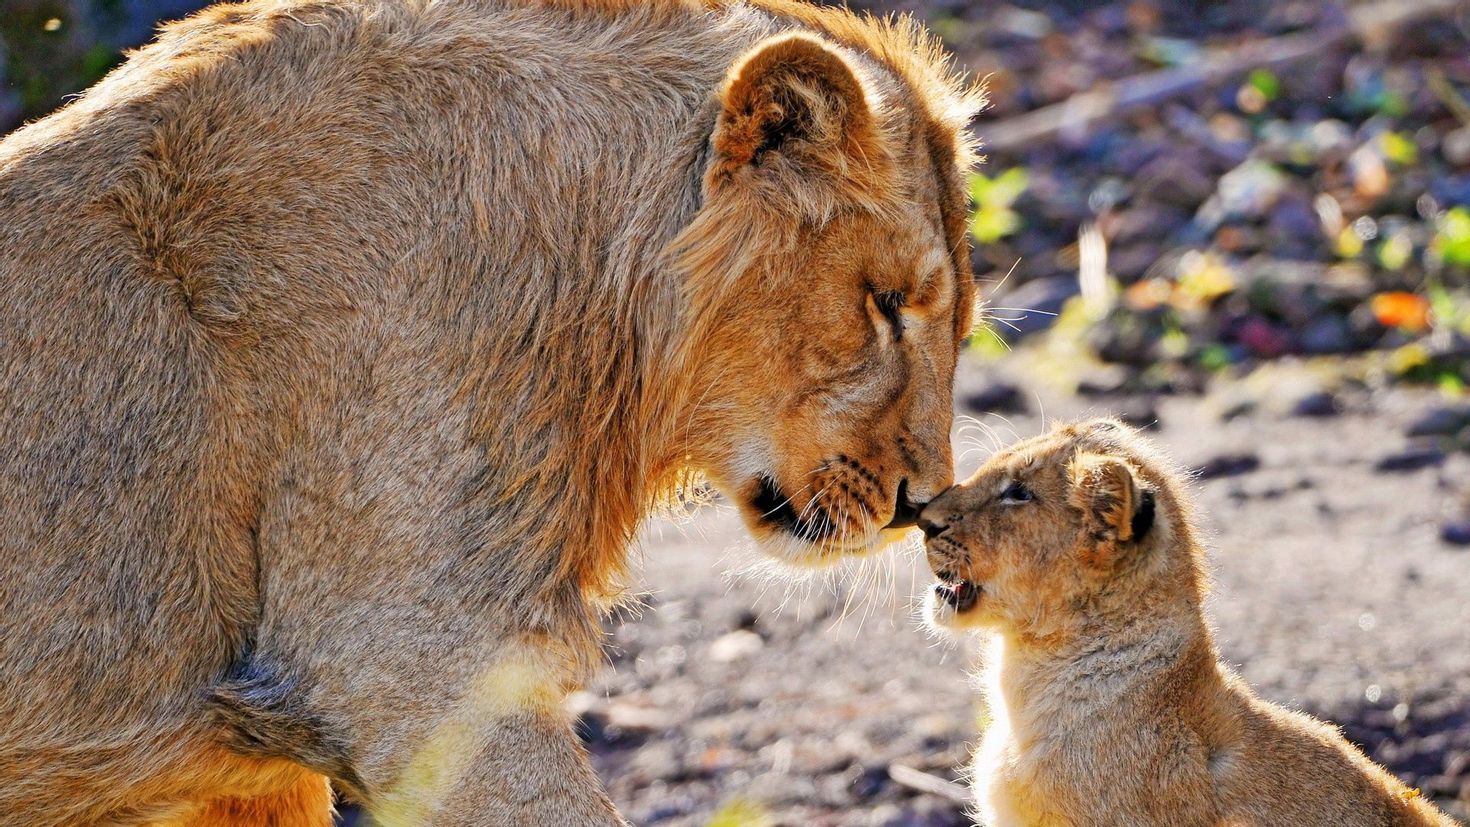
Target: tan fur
[[1108, 702], [345, 345]]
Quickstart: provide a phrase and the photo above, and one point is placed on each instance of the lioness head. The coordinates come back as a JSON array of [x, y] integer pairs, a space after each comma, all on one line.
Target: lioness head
[[1058, 530], [828, 274]]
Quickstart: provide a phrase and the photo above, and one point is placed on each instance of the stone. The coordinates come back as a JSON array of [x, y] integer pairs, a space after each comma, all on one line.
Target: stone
[[1317, 404], [1410, 459], [1228, 465], [997, 397], [736, 645], [1327, 334], [1442, 421], [1456, 532]]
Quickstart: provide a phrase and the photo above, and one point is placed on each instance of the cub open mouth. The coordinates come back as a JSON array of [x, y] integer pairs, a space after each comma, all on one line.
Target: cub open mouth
[[813, 524], [961, 595]]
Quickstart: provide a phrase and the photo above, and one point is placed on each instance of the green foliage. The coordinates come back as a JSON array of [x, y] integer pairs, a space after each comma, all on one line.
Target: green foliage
[[1395, 252], [1398, 149], [741, 813], [1452, 241], [1265, 82], [987, 343], [993, 218]]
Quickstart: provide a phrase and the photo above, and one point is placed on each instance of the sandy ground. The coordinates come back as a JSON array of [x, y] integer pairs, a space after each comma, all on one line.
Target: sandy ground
[[737, 695]]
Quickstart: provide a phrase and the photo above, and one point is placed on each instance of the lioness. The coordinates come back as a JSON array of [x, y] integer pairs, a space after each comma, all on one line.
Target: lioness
[[346, 344], [1109, 704]]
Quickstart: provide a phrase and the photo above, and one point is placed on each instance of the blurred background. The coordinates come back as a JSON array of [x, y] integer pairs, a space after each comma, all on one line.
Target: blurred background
[[1242, 225]]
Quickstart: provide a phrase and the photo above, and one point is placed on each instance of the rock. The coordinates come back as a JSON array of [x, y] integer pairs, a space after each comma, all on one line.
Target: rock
[[1228, 465], [1317, 404], [870, 782], [1327, 334], [1443, 421], [1248, 191], [1294, 227], [1456, 147], [1456, 532], [736, 645], [1140, 412], [1410, 459], [1263, 339], [1174, 179], [1107, 380], [997, 397]]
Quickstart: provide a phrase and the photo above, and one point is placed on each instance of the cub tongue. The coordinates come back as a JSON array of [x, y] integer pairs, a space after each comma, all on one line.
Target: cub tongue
[[960, 594]]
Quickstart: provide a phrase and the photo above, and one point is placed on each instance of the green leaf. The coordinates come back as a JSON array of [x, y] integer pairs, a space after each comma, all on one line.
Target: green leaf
[[741, 813], [1000, 191], [1395, 252], [1265, 82], [1398, 148], [991, 224], [1453, 239]]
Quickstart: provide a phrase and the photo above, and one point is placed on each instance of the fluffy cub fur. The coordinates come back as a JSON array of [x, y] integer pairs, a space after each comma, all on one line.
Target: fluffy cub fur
[[1109, 703]]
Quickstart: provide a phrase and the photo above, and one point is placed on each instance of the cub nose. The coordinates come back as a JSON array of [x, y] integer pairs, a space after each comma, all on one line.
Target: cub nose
[[930, 528], [905, 512]]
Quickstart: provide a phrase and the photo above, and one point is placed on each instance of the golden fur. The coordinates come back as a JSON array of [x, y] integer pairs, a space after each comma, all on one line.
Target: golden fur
[[345, 345], [1109, 704]]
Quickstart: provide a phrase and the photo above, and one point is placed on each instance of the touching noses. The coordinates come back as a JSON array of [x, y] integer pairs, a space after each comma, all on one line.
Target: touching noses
[[938, 515], [905, 510]]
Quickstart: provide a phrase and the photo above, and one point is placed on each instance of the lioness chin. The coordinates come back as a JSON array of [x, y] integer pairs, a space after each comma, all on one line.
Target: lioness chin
[[1109, 704], [346, 343]]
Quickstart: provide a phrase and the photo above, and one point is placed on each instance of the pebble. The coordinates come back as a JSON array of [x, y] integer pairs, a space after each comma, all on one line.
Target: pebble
[[1410, 459], [1327, 334], [1456, 532], [997, 397], [1228, 465], [1140, 412], [736, 645], [1317, 404], [1443, 421]]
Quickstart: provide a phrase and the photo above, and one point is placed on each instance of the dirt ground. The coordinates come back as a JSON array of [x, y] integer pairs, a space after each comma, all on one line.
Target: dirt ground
[[738, 695]]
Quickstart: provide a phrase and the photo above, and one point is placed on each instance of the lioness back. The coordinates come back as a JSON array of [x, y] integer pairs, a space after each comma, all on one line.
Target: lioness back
[[306, 293]]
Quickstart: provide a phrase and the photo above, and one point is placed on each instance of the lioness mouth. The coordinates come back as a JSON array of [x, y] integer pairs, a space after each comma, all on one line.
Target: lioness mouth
[[812, 525], [961, 595]]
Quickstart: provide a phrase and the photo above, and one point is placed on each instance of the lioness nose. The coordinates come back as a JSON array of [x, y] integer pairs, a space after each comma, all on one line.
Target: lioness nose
[[905, 511]]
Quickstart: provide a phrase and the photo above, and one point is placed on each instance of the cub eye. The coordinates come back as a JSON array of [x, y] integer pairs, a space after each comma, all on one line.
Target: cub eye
[[889, 304], [1017, 493]]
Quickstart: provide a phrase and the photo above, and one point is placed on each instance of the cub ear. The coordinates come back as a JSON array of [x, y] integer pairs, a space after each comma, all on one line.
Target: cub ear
[[793, 109], [1115, 510]]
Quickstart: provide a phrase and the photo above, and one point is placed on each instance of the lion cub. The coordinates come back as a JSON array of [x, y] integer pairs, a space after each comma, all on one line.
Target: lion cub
[[1109, 704]]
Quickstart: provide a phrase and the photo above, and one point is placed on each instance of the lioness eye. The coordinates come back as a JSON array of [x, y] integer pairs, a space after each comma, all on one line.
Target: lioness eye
[[889, 303], [1017, 493]]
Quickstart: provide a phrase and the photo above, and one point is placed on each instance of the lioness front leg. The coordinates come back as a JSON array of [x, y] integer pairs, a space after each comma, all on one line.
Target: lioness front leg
[[434, 735], [531, 771]]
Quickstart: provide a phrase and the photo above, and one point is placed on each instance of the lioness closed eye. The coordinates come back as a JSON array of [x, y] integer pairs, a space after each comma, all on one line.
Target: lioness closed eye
[[1109, 704]]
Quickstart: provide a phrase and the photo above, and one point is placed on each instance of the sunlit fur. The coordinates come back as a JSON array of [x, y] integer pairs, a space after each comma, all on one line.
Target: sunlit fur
[[1108, 702], [345, 345]]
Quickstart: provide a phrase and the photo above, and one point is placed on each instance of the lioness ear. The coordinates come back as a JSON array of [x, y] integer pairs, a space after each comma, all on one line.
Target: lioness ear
[[1106, 491], [793, 110]]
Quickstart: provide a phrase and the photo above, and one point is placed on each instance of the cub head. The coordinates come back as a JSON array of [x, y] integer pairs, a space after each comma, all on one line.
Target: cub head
[[827, 276], [1064, 529]]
